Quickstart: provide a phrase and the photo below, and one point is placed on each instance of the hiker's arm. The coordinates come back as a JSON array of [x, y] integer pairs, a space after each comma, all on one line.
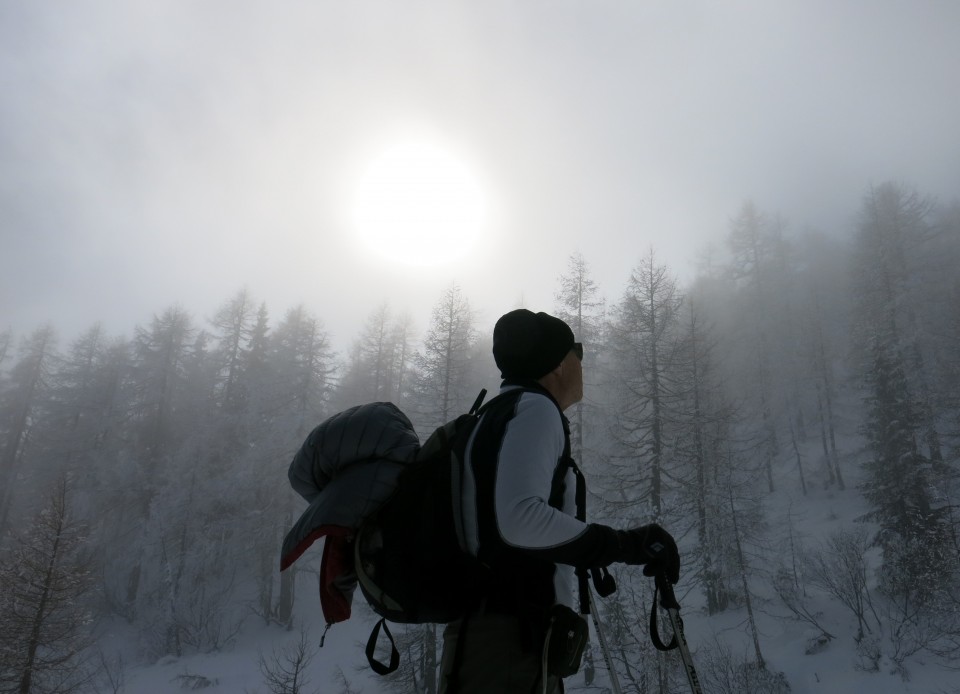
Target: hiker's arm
[[532, 445]]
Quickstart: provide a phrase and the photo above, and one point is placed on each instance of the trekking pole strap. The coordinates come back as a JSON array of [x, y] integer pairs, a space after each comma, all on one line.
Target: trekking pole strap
[[654, 632], [668, 601]]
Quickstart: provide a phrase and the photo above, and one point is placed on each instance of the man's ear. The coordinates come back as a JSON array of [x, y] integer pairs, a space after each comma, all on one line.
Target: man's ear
[[550, 375]]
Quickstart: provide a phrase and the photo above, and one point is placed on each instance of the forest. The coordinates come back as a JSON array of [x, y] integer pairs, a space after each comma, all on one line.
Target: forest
[[143, 477]]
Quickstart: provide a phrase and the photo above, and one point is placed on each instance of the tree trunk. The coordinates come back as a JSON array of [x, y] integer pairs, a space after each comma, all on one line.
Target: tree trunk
[[796, 451], [33, 642], [746, 588]]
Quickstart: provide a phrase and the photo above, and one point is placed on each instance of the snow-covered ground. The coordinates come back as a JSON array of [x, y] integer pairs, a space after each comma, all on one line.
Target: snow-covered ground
[[237, 671], [832, 669]]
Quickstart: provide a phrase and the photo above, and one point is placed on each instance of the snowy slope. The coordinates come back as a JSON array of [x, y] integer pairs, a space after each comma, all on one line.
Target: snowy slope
[[832, 669]]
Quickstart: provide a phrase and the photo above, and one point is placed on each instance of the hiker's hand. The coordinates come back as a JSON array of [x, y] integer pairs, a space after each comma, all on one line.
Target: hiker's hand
[[656, 549]]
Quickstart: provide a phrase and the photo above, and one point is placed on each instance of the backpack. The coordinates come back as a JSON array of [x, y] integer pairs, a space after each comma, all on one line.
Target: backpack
[[409, 555]]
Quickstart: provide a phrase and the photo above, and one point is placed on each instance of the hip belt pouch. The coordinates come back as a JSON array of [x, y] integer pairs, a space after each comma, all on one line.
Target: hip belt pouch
[[567, 635]]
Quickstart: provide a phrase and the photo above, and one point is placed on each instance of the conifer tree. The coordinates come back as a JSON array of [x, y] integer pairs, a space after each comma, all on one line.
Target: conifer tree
[[646, 342], [903, 471], [445, 370], [233, 323], [159, 377], [823, 337], [87, 413], [444, 367], [256, 378], [402, 336], [580, 304], [379, 360], [6, 336], [302, 362], [160, 353], [20, 404], [751, 245], [702, 428], [45, 624]]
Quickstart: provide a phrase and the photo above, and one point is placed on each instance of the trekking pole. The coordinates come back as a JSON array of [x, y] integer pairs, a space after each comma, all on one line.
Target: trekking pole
[[668, 601], [614, 682]]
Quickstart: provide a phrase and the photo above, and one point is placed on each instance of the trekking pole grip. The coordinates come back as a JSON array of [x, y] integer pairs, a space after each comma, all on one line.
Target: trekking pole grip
[[668, 599]]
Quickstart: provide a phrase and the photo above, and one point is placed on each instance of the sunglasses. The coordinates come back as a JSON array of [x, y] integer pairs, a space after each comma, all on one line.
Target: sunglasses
[[578, 350]]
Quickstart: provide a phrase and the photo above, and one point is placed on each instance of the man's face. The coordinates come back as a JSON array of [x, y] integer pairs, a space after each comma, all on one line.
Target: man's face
[[572, 380]]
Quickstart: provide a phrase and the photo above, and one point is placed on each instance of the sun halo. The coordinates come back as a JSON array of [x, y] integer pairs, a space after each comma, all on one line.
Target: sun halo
[[418, 204]]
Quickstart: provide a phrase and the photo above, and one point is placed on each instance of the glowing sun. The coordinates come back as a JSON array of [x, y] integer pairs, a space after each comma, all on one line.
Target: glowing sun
[[418, 204]]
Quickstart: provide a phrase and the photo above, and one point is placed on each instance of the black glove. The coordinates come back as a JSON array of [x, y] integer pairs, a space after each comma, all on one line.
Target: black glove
[[654, 547]]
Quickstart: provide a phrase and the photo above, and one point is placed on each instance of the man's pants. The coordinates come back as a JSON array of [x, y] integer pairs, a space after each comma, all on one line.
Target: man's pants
[[493, 658]]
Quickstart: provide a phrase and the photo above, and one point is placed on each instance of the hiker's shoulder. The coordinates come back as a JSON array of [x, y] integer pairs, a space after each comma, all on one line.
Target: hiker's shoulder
[[538, 409]]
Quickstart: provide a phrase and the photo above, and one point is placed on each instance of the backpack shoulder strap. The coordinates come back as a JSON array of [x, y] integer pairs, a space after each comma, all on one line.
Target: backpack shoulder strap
[[458, 456], [497, 399], [602, 580], [558, 484]]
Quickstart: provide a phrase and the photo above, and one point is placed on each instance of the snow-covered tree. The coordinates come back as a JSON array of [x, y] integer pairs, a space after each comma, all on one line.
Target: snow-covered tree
[[234, 324], [302, 363], [752, 245], [379, 361], [581, 305], [446, 382], [23, 396], [45, 618], [703, 426], [645, 340], [160, 353], [6, 337], [904, 480]]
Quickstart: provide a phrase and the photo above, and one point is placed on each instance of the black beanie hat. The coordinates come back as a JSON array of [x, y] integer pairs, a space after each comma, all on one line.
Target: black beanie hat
[[530, 345]]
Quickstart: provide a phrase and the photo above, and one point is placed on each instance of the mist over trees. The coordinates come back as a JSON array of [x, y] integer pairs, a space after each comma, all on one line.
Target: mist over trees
[[143, 477]]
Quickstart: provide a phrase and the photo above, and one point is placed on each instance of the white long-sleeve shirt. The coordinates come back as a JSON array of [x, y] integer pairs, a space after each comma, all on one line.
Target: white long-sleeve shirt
[[513, 455]]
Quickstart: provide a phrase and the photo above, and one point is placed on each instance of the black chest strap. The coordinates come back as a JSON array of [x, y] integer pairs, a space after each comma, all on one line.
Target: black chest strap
[[602, 580]]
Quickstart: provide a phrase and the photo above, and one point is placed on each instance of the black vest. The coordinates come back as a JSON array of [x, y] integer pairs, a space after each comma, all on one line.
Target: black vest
[[522, 583]]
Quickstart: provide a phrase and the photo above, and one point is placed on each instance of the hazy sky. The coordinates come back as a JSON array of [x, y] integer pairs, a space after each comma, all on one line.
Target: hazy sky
[[167, 152]]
